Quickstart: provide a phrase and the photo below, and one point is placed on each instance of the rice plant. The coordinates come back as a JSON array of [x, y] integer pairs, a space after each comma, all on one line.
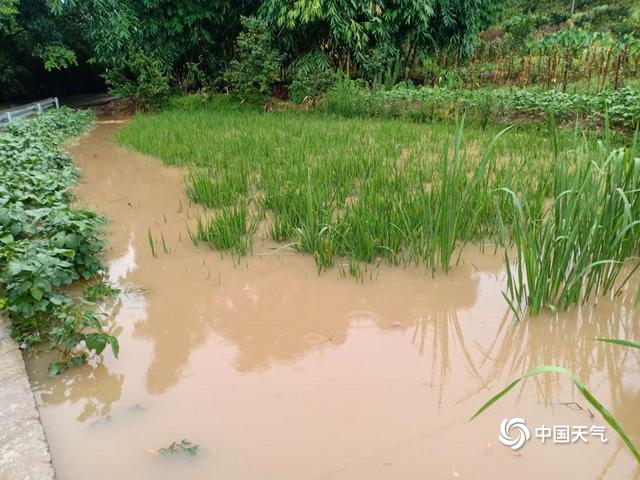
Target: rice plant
[[217, 188], [152, 243], [586, 393], [231, 229]]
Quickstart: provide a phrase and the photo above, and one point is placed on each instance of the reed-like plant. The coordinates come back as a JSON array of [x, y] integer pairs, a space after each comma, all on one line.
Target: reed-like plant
[[580, 245]]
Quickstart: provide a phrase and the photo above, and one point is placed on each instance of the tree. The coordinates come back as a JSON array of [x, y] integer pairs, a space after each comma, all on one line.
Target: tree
[[40, 53], [347, 30], [255, 67]]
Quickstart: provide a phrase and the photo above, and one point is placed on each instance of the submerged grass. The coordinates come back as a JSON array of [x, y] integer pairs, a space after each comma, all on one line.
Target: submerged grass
[[372, 190]]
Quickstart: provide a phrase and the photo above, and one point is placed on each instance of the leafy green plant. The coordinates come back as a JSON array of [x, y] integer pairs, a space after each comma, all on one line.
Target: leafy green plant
[[519, 28], [351, 98], [313, 76], [57, 57], [100, 290], [45, 245]]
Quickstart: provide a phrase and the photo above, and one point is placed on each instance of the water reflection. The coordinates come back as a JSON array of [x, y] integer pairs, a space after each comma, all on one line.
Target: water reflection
[[271, 320], [567, 340], [95, 389]]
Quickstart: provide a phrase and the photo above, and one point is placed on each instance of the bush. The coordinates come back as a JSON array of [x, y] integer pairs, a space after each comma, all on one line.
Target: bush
[[193, 78], [254, 70], [519, 29], [313, 76], [143, 78]]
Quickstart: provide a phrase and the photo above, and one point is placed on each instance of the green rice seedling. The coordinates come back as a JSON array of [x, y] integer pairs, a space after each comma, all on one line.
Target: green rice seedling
[[217, 188], [372, 190], [609, 418], [230, 229], [456, 214], [165, 249], [619, 341]]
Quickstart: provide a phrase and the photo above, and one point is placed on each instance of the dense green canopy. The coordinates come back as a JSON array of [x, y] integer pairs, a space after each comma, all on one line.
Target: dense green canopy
[[42, 39]]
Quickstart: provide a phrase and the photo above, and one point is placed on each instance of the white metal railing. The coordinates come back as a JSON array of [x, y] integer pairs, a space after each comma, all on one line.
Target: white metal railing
[[7, 116]]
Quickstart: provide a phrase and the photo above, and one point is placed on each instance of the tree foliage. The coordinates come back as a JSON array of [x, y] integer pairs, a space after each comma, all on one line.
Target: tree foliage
[[349, 29], [39, 52], [44, 38]]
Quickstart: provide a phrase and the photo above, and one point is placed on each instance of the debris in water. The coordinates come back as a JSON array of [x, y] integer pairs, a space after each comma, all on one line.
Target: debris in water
[[185, 446]]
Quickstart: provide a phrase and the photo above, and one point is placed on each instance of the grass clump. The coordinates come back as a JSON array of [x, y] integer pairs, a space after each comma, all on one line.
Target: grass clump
[[231, 229], [580, 244], [45, 244], [220, 188]]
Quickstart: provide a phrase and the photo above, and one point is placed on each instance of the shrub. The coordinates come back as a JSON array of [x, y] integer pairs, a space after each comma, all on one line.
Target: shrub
[[193, 78], [143, 78], [254, 70], [313, 76]]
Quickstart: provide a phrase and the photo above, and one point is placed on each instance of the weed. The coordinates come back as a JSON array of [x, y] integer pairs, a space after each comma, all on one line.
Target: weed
[[99, 290]]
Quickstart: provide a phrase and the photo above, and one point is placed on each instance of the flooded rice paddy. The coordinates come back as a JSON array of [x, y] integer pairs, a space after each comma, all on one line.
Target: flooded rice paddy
[[280, 373]]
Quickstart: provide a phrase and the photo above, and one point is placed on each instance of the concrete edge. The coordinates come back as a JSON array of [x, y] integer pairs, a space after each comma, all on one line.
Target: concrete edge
[[24, 451]]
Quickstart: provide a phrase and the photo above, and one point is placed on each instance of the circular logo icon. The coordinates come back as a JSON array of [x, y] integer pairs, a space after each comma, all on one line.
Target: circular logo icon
[[514, 433]]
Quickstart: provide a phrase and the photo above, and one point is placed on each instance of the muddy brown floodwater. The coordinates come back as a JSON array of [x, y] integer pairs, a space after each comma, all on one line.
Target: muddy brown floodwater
[[280, 373]]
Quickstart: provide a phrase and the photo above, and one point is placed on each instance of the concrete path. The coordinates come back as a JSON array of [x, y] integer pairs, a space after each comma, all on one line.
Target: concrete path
[[24, 453]]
